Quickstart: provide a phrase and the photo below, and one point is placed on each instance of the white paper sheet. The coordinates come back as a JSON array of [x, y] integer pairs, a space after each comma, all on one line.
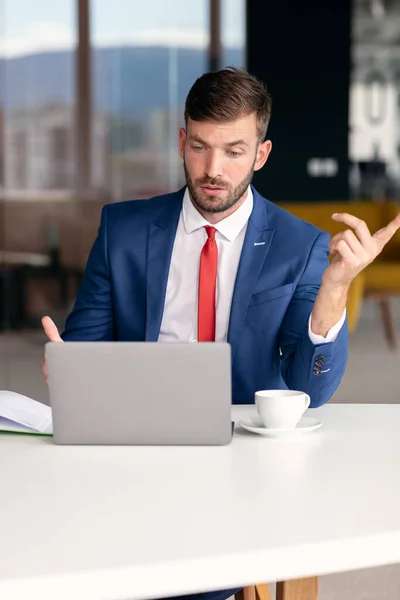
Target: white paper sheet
[[20, 413]]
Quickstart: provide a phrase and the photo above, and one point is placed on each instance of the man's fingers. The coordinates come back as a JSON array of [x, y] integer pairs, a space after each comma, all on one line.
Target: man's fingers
[[359, 226], [386, 233], [51, 330], [352, 241], [341, 247]]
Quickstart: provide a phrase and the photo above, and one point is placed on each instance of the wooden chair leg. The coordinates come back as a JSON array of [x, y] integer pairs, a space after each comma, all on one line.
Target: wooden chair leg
[[247, 593], [254, 592], [389, 322], [298, 589], [262, 592]]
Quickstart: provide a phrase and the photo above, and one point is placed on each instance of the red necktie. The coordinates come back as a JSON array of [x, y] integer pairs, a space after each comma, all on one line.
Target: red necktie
[[207, 288]]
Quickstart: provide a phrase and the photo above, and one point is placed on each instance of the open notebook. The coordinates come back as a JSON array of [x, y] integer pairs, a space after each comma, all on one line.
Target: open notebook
[[21, 414]]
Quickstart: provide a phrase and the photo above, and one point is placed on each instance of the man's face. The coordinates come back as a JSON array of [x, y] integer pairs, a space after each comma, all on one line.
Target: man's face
[[219, 161]]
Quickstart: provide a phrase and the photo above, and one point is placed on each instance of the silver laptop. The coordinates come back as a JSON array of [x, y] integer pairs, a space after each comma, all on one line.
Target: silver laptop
[[140, 392]]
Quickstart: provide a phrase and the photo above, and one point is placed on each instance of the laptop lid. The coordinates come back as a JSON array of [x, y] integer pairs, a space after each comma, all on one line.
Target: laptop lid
[[140, 392]]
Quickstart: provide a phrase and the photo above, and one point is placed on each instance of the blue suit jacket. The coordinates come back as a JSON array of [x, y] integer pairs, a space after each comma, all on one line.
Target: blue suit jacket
[[281, 265]]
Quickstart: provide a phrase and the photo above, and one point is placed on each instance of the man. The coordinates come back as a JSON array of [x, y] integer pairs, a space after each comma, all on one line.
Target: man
[[216, 261], [262, 281]]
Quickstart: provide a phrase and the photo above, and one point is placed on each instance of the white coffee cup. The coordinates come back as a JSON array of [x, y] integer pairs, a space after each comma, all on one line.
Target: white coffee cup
[[281, 409]]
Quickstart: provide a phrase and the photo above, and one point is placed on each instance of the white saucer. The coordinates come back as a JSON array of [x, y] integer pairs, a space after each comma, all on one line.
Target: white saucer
[[305, 425]]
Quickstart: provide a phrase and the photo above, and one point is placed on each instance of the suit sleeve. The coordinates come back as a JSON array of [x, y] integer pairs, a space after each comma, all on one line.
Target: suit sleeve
[[91, 318], [316, 369]]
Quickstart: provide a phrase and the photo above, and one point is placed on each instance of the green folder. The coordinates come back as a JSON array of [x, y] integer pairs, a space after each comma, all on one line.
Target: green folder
[[23, 432], [10, 426]]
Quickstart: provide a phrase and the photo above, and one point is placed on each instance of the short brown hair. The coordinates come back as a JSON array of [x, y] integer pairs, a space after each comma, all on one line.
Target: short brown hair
[[227, 95]]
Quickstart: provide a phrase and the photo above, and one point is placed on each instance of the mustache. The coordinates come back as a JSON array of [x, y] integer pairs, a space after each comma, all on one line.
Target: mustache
[[208, 181]]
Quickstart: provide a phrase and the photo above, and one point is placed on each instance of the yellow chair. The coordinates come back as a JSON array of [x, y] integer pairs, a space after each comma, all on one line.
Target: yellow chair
[[381, 279]]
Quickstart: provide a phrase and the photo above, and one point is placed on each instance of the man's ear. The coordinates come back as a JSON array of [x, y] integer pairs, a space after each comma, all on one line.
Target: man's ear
[[182, 140], [263, 152]]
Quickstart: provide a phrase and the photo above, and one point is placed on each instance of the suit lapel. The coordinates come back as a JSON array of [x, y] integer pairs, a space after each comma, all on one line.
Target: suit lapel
[[161, 239], [256, 245]]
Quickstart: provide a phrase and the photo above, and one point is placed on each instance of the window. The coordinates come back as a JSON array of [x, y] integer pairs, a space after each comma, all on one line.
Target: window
[[37, 87], [145, 58], [233, 33]]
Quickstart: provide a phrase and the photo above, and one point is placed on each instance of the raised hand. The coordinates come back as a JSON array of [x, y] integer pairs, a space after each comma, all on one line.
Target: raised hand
[[355, 250]]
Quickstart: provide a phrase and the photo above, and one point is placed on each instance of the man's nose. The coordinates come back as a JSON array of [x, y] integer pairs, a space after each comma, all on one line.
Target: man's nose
[[214, 166]]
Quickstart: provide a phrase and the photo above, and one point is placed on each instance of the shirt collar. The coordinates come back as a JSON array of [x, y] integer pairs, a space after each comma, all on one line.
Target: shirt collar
[[230, 227]]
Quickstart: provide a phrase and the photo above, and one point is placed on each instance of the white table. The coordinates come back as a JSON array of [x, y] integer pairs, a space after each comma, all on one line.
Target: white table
[[113, 523], [24, 258]]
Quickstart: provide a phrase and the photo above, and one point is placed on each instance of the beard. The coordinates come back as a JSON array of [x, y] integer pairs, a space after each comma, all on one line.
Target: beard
[[217, 204]]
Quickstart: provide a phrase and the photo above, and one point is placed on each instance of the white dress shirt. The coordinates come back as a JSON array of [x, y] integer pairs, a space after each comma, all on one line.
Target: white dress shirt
[[179, 322]]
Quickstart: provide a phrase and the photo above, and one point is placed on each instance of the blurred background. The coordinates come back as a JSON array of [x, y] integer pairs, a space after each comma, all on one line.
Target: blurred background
[[91, 100]]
